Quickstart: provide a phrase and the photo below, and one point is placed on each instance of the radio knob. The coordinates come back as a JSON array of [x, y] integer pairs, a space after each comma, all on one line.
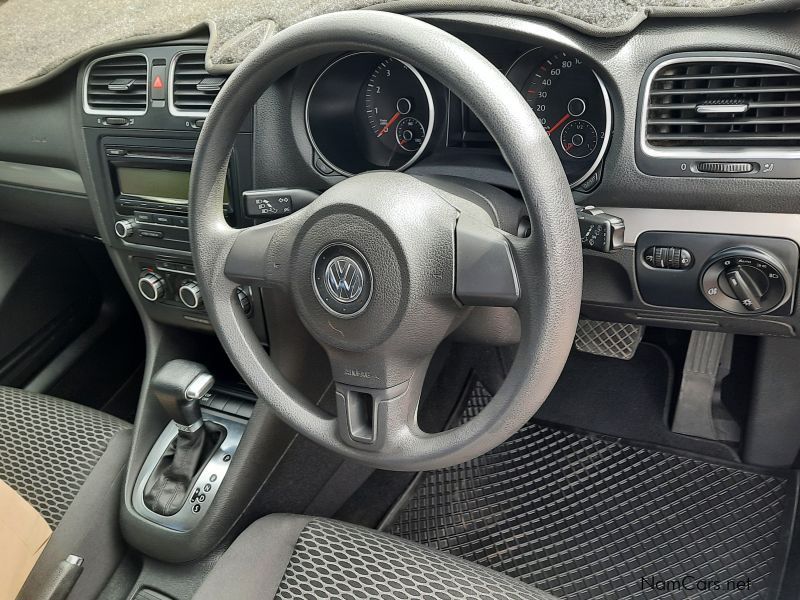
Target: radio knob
[[124, 228], [190, 294], [151, 286]]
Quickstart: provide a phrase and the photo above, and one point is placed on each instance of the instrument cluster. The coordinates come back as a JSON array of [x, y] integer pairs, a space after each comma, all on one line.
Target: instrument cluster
[[366, 112]]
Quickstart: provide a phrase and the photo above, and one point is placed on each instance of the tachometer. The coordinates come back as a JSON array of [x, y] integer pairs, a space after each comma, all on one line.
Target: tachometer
[[572, 105], [397, 104], [367, 111]]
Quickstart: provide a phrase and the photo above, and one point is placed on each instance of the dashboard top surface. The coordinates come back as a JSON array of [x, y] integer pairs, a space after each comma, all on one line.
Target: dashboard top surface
[[238, 29]]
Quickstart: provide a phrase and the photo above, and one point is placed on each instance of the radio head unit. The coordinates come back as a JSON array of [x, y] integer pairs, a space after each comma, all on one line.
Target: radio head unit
[[151, 192]]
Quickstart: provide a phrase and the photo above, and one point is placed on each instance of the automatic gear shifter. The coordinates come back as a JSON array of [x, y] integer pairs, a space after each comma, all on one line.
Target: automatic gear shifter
[[178, 386]]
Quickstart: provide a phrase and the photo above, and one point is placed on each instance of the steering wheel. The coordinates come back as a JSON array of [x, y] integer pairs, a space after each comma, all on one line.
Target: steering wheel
[[383, 266]]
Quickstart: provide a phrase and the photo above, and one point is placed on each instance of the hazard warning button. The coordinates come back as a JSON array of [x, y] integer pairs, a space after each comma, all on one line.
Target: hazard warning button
[[158, 80]]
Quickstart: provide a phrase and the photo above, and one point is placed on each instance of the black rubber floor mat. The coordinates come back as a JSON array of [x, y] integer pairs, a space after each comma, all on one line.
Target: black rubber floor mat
[[623, 398], [589, 517]]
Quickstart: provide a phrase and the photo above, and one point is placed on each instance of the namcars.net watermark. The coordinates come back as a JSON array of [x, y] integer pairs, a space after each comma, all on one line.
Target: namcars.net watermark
[[694, 583]]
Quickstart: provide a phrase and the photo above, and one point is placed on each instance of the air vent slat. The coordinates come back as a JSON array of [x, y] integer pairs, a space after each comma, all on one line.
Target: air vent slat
[[193, 94], [726, 91], [117, 85], [194, 104], [188, 73], [104, 91], [725, 137], [719, 77], [96, 101], [763, 121], [722, 102], [752, 105]]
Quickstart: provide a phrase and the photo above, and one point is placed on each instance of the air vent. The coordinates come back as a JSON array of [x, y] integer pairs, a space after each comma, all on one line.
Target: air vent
[[723, 102], [117, 85], [193, 88]]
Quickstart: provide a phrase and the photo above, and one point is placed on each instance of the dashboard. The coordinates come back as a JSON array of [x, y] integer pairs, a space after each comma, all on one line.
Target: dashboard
[[365, 111], [621, 113]]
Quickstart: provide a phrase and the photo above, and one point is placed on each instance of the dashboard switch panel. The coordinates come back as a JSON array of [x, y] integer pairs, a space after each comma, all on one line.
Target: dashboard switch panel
[[741, 275]]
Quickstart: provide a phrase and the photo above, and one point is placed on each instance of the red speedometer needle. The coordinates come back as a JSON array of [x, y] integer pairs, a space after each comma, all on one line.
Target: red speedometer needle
[[559, 123], [385, 129]]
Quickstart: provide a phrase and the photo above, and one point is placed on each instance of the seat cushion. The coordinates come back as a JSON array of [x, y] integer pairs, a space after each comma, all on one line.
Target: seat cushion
[[290, 558], [49, 446]]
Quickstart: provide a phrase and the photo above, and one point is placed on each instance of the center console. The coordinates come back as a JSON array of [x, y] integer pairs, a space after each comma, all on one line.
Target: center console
[[143, 111]]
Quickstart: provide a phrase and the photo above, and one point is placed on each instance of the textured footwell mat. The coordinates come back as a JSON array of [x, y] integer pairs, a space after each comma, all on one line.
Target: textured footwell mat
[[590, 517]]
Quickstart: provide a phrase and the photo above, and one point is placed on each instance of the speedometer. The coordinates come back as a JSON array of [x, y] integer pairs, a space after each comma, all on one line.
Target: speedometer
[[572, 105]]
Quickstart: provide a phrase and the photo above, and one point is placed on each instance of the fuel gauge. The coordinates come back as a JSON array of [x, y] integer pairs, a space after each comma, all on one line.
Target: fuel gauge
[[410, 134], [579, 138]]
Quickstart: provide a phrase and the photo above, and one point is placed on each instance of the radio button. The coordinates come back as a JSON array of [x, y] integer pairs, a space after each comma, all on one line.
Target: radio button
[[163, 219], [151, 234], [142, 217]]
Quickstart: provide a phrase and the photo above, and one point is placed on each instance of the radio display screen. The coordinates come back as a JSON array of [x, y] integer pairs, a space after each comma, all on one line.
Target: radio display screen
[[158, 185]]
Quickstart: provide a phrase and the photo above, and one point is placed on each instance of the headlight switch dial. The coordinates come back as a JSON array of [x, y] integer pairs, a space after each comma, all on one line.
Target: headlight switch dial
[[745, 281]]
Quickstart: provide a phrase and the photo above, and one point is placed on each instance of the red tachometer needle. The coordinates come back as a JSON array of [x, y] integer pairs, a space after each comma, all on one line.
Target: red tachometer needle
[[559, 123], [385, 129]]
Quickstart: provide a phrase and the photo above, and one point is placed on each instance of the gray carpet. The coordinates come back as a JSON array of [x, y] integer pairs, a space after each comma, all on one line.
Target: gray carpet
[[39, 38]]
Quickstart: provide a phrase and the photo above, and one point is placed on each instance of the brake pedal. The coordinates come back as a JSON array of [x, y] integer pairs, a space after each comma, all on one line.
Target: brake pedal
[[604, 338]]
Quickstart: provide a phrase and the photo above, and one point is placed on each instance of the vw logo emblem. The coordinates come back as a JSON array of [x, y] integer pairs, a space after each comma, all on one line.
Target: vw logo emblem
[[342, 280]]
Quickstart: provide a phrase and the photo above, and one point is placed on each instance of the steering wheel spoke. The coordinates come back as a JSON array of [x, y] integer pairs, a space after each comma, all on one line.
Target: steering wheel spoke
[[370, 417], [260, 254], [486, 271], [379, 419]]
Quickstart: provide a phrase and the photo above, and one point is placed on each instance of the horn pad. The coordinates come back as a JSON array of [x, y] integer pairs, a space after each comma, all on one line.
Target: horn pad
[[375, 260], [342, 280]]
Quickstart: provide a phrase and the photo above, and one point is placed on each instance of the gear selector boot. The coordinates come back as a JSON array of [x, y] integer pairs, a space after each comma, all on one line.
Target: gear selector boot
[[178, 386]]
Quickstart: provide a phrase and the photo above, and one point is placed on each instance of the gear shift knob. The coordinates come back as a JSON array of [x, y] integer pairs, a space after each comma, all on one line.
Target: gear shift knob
[[178, 386]]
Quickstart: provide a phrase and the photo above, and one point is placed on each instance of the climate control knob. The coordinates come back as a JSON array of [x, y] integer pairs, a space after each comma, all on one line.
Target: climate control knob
[[124, 228], [151, 286], [745, 281], [190, 295]]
